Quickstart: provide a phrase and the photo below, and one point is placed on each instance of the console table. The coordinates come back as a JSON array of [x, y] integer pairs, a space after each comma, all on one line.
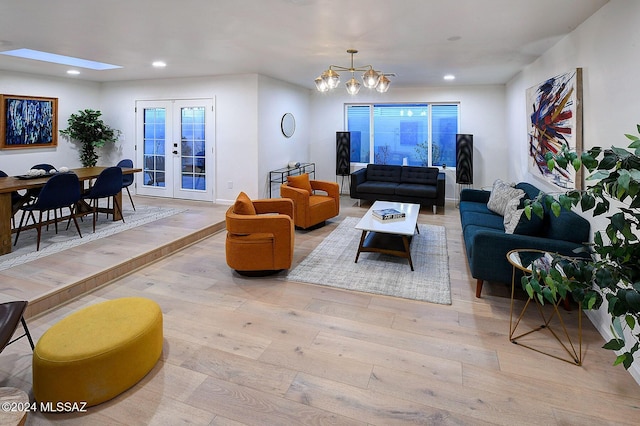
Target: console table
[[279, 175]]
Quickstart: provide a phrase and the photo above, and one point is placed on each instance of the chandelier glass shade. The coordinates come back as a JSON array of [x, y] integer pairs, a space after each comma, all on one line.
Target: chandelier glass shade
[[371, 78], [383, 84], [353, 87]]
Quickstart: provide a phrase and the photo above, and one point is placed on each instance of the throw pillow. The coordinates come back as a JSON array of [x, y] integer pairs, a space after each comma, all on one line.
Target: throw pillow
[[501, 194], [516, 222], [300, 182], [243, 205], [512, 215]]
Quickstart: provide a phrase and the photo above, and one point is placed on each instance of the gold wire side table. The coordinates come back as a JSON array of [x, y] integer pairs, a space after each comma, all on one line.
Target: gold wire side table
[[522, 260]]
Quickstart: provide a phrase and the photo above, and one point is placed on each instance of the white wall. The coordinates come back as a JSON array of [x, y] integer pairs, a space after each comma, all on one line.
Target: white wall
[[236, 130], [606, 48], [72, 95], [275, 98], [248, 109], [481, 114]]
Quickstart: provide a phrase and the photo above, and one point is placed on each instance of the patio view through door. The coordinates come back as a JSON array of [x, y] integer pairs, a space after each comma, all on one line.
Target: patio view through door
[[174, 148]]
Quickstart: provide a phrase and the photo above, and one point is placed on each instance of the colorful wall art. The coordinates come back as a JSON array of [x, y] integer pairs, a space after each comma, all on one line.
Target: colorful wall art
[[28, 122], [554, 111]]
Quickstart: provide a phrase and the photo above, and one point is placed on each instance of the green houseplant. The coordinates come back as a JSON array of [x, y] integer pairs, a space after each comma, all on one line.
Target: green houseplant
[[88, 128], [611, 269]]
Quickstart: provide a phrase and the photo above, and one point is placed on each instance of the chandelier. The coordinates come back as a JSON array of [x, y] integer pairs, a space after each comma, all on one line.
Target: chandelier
[[371, 78]]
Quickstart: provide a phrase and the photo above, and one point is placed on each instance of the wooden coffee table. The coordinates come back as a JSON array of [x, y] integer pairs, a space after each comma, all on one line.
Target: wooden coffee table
[[392, 237]]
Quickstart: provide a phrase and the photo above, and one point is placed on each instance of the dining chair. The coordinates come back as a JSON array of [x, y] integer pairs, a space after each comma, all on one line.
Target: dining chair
[[127, 179], [17, 200], [12, 314], [108, 184], [44, 166], [33, 192], [60, 191]]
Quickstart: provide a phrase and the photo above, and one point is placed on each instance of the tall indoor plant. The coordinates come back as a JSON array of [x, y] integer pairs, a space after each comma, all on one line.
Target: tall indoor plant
[[611, 271], [88, 128]]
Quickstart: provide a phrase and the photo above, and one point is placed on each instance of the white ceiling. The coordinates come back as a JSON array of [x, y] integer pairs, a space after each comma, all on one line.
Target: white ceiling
[[480, 41]]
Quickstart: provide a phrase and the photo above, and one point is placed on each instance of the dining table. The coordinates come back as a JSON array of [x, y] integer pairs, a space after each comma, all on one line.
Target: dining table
[[25, 182]]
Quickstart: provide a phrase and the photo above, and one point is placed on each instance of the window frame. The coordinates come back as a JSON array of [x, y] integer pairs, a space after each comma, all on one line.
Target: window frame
[[373, 105]]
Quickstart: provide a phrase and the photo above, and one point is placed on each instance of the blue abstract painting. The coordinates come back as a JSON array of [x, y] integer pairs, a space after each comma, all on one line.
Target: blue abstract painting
[[28, 122]]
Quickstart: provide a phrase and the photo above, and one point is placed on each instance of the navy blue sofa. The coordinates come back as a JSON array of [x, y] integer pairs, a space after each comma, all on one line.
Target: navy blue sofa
[[407, 184], [487, 244]]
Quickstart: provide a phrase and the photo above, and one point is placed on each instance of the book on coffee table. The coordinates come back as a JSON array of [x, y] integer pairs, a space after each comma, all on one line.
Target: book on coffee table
[[388, 214]]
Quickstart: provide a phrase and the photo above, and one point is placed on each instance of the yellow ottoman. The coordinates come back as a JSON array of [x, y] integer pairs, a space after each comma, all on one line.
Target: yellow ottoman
[[98, 352]]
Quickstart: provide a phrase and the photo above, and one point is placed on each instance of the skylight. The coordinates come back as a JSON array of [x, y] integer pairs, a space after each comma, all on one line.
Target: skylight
[[59, 59]]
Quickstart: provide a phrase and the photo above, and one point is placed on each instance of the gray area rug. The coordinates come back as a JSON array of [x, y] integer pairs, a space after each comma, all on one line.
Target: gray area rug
[[50, 242], [332, 264]]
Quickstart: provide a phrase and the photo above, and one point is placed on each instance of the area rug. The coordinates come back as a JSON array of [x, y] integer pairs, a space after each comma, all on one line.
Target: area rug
[[332, 264], [50, 242]]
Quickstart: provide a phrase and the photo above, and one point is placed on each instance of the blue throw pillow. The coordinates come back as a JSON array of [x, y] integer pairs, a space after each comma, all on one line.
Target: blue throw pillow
[[516, 222], [531, 226]]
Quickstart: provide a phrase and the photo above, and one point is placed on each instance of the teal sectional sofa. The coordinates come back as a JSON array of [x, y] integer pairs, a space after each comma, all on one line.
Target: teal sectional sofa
[[487, 243]]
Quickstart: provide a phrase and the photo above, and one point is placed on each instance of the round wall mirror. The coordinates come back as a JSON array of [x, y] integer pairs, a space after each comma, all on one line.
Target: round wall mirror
[[288, 125]]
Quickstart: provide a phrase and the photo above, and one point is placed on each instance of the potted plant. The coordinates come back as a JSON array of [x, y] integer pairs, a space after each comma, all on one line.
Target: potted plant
[[88, 128], [610, 269]]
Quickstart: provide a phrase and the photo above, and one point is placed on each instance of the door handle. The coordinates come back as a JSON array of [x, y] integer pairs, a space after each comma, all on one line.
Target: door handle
[[175, 152]]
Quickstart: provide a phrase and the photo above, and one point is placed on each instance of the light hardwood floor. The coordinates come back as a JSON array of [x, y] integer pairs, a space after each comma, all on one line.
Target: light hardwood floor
[[266, 351]]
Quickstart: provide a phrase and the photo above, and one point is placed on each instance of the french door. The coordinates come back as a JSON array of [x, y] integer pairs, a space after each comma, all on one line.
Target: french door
[[175, 147]]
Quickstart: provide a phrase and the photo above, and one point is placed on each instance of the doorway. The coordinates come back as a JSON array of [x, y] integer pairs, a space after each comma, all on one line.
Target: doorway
[[175, 148]]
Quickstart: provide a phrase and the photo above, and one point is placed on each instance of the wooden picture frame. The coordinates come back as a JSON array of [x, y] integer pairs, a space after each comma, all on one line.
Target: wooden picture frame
[[554, 114], [28, 122]]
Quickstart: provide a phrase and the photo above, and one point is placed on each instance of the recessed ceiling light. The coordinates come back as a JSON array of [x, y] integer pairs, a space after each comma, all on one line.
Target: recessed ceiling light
[[449, 77], [159, 64], [59, 59], [73, 72]]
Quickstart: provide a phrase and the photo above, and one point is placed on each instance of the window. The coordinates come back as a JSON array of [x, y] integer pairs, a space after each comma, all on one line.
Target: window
[[417, 134], [192, 150], [154, 141]]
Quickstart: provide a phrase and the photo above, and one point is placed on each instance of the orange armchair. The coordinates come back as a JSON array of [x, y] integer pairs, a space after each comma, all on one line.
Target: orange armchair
[[256, 242], [311, 208]]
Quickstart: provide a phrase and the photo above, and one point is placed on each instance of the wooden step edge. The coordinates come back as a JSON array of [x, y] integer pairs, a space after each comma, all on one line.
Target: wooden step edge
[[59, 296]]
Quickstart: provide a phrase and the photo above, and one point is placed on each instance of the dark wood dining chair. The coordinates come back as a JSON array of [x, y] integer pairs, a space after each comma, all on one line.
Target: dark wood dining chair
[[127, 180], [108, 184], [33, 192], [12, 314], [17, 200], [60, 191]]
